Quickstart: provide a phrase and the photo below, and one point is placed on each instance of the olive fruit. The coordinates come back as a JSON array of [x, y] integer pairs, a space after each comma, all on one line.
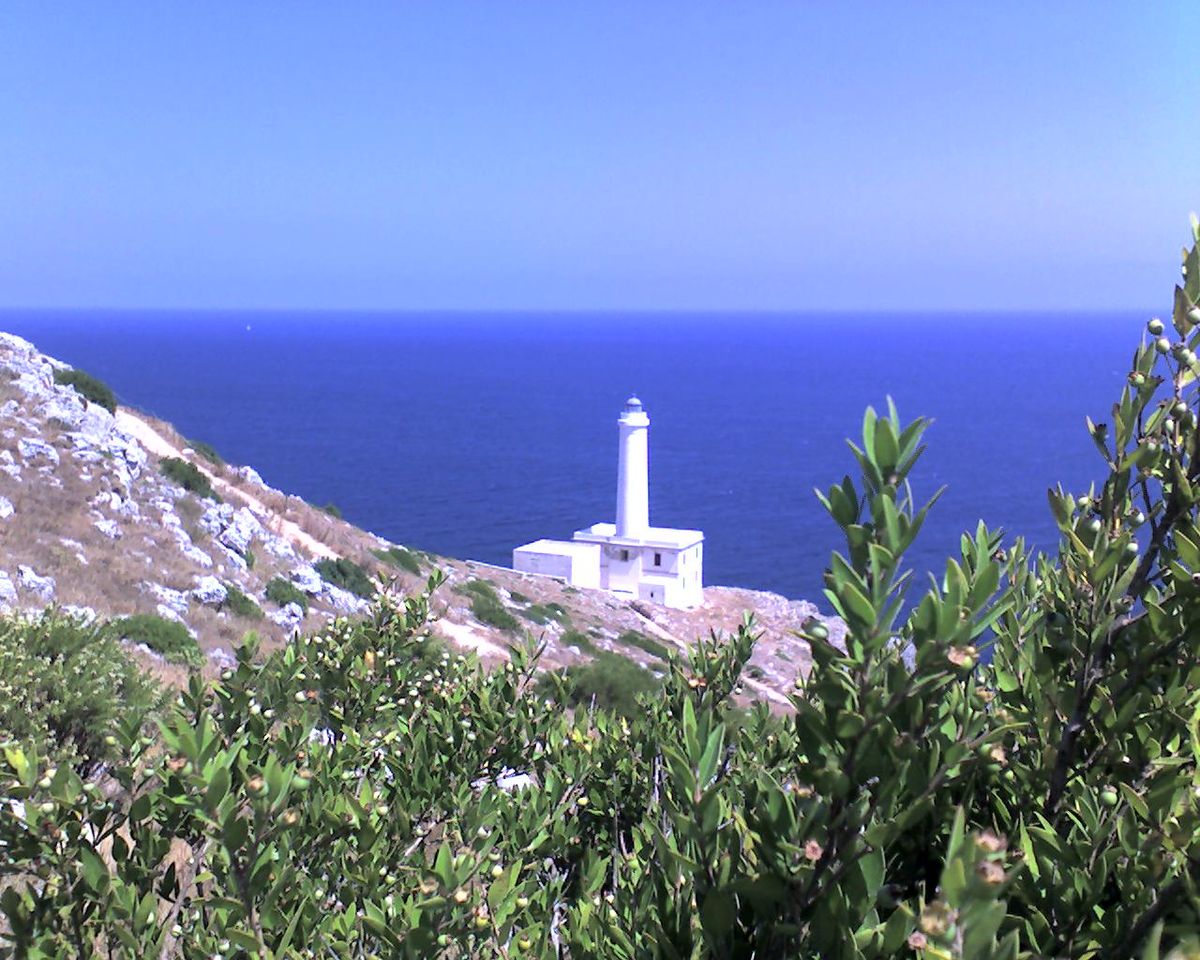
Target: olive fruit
[[1108, 796], [1155, 326]]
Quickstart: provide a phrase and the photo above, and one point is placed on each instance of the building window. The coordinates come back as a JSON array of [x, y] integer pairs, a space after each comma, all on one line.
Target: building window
[[624, 554], [658, 559]]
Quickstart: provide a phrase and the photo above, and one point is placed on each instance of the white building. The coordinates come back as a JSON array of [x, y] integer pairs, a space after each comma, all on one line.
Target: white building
[[629, 557]]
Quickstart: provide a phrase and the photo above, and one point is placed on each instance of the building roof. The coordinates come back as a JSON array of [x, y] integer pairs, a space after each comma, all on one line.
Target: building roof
[[562, 548], [669, 537]]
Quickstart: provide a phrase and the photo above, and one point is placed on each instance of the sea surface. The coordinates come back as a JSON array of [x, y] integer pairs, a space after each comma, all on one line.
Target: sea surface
[[469, 434]]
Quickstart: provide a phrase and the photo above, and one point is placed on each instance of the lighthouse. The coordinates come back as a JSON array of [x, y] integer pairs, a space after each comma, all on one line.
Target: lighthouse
[[633, 470], [629, 557]]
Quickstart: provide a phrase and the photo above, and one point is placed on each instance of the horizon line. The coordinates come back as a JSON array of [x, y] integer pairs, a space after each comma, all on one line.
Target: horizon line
[[596, 311]]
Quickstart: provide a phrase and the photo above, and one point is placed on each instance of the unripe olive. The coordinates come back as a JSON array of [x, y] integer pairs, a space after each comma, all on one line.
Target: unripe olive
[[1155, 326], [1131, 548], [1162, 345], [1108, 796], [1180, 408], [1137, 518], [497, 872], [524, 943], [482, 922], [1194, 314], [1179, 349], [1094, 525], [522, 903]]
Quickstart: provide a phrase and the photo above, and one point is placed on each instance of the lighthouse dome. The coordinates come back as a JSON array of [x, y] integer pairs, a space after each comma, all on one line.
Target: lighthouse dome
[[633, 403]]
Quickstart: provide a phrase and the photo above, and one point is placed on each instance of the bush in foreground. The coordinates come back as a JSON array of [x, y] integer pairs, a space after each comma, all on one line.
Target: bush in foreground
[[350, 796], [92, 390], [65, 686]]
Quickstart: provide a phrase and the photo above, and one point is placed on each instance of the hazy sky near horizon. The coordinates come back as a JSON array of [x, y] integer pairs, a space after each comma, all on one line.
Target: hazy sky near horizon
[[548, 155]]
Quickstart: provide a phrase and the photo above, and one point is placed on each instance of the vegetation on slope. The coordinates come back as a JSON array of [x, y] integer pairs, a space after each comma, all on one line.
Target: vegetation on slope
[[283, 592], [188, 476], [168, 638], [353, 796], [91, 389], [346, 574]]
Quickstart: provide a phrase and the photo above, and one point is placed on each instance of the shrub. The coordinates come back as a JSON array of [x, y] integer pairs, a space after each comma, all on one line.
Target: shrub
[[916, 799], [333, 510], [518, 597], [283, 592], [207, 451], [238, 603], [346, 574], [487, 607], [92, 390], [188, 476], [609, 681], [250, 558], [65, 686], [634, 638], [577, 638], [168, 638], [400, 557], [545, 612]]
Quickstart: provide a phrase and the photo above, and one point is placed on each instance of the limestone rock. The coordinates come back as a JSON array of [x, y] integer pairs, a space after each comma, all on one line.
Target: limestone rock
[[289, 617], [6, 508], [210, 591], [307, 579], [35, 448], [174, 600], [40, 587], [8, 592], [343, 601], [110, 528]]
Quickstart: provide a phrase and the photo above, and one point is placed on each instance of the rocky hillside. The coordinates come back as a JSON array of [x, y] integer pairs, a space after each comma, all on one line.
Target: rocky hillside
[[111, 514]]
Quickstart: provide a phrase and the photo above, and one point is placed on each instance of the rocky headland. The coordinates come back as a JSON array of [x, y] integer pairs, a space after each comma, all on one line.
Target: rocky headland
[[98, 518]]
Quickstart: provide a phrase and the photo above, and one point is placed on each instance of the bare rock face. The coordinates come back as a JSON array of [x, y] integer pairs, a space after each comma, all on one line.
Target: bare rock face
[[6, 508], [307, 579], [8, 592], [289, 617], [35, 448], [210, 591], [40, 587], [175, 601]]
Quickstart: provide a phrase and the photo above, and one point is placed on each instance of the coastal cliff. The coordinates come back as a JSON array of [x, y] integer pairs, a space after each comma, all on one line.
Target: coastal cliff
[[112, 514]]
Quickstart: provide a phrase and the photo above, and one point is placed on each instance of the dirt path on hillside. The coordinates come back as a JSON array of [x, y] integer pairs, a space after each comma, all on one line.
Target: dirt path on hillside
[[160, 446]]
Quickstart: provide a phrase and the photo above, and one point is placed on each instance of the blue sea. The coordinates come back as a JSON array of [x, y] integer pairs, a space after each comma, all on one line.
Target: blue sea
[[469, 434]]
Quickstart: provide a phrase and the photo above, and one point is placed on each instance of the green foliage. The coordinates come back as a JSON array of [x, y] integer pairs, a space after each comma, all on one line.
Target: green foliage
[[92, 390], [168, 638], [188, 476], [250, 558], [346, 574], [609, 681], [518, 597], [283, 592], [577, 638], [487, 607], [400, 557], [333, 510], [545, 612], [237, 602], [207, 451], [354, 795], [634, 638], [65, 686]]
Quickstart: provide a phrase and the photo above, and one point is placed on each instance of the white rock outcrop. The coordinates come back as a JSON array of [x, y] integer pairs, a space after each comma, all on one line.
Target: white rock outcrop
[[210, 591], [31, 582]]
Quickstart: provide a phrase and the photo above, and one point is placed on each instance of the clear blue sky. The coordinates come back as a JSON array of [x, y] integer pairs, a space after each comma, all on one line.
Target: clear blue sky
[[596, 155]]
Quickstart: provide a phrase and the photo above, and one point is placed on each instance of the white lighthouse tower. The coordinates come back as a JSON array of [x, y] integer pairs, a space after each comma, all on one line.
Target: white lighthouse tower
[[633, 471], [630, 557]]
